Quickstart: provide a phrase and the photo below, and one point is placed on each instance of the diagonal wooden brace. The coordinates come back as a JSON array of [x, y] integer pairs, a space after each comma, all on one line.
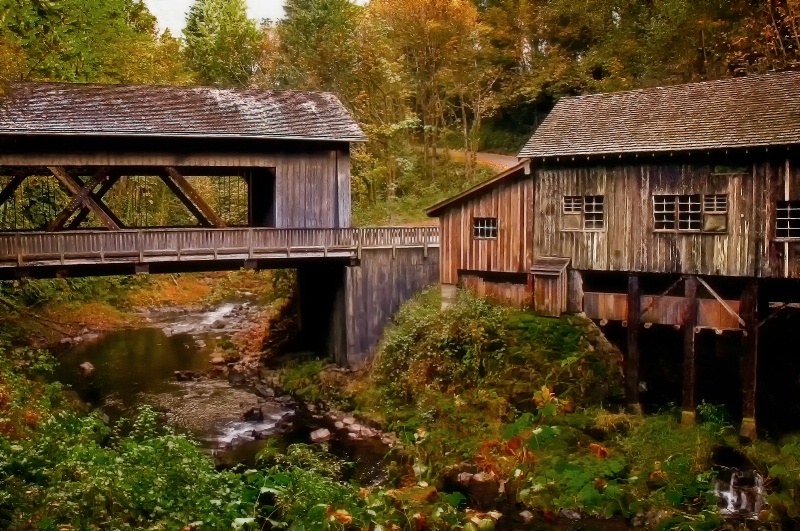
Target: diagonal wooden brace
[[100, 177], [102, 212], [11, 187], [98, 197], [188, 195]]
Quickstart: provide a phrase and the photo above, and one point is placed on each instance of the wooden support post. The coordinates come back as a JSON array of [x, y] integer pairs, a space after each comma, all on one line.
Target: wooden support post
[[98, 198], [575, 304], [79, 200], [188, 195], [749, 313], [11, 187], [689, 353], [632, 358], [98, 209]]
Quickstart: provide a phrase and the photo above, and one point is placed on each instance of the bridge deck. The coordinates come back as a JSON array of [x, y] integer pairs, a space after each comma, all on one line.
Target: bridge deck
[[23, 252]]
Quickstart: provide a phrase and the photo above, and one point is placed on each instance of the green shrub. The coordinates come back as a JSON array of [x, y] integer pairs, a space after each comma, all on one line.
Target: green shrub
[[77, 472]]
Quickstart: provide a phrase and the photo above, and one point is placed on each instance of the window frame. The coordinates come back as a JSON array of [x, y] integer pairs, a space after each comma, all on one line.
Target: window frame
[[584, 206], [791, 205], [490, 227], [691, 209]]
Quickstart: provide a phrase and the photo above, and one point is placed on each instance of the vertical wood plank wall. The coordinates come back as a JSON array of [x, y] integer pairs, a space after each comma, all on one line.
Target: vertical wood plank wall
[[512, 203], [629, 242], [376, 288], [512, 293]]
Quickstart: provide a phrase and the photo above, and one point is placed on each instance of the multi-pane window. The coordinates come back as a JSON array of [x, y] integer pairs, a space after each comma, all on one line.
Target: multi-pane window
[[484, 228], [787, 219], [584, 212], [593, 212], [690, 213], [573, 204]]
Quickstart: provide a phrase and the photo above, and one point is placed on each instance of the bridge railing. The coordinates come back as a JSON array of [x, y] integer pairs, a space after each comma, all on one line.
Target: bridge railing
[[88, 247]]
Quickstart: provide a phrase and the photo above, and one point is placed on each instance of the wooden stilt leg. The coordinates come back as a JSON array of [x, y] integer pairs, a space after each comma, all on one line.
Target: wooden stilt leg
[[749, 313], [689, 354], [632, 359]]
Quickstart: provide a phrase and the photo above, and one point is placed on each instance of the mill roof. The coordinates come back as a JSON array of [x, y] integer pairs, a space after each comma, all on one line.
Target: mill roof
[[734, 113], [164, 111]]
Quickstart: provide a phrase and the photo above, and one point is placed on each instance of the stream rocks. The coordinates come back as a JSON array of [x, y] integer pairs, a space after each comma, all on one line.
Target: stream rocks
[[321, 435], [86, 368]]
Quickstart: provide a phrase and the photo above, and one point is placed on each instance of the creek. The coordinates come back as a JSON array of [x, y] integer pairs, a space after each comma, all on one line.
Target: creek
[[168, 365]]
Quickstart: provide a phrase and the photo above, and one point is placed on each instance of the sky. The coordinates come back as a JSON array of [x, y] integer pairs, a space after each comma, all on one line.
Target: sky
[[172, 13]]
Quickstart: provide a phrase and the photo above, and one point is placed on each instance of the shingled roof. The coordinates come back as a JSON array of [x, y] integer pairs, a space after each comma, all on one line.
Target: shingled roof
[[733, 113], [159, 111]]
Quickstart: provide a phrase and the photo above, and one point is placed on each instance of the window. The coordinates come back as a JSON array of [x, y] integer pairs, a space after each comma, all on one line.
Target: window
[[787, 219], [484, 228], [593, 212], [573, 204], [584, 212], [690, 213]]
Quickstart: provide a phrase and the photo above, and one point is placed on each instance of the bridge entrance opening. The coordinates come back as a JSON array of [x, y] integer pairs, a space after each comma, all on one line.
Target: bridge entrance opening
[[262, 198]]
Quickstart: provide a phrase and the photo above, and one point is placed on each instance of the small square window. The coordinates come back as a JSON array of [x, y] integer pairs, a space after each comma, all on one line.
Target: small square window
[[573, 204], [593, 212], [664, 212], [583, 212], [484, 228], [787, 219], [715, 204], [690, 213]]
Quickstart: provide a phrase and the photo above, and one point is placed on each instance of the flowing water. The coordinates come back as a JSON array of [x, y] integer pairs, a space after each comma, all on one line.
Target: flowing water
[[134, 367]]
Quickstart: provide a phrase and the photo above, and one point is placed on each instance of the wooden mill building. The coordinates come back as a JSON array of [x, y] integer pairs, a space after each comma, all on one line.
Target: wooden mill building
[[669, 207]]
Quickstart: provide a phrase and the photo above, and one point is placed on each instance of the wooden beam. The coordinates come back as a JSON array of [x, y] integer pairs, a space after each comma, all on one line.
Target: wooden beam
[[102, 212], [689, 353], [79, 200], [189, 192], [98, 197], [175, 189], [653, 300], [11, 187], [749, 309], [632, 357], [721, 301]]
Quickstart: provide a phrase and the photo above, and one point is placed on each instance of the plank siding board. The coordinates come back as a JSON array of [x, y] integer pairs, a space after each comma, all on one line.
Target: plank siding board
[[343, 189]]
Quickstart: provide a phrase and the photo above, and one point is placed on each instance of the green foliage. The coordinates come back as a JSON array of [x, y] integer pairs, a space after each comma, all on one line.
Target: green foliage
[[309, 458], [221, 42], [86, 41], [78, 472]]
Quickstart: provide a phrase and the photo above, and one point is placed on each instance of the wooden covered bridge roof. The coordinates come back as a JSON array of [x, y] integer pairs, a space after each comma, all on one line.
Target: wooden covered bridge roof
[[729, 114], [162, 111]]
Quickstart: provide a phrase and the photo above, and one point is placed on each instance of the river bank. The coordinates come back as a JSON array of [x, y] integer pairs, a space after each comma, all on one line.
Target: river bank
[[478, 416]]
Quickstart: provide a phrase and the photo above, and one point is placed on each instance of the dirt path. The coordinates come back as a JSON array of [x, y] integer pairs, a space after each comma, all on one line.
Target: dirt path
[[493, 160]]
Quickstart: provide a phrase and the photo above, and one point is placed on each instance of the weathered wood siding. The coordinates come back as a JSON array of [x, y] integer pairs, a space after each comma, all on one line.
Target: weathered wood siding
[[551, 294], [376, 288], [629, 242], [312, 179], [512, 203], [514, 292]]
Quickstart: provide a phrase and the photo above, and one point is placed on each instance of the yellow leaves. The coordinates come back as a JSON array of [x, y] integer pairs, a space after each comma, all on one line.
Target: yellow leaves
[[341, 516]]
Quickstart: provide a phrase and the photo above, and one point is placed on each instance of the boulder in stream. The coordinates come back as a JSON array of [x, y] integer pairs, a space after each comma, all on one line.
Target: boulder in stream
[[87, 369], [253, 414], [321, 435]]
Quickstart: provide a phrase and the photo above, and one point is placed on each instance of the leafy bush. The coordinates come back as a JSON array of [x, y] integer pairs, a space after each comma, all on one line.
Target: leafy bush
[[453, 348], [77, 472]]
